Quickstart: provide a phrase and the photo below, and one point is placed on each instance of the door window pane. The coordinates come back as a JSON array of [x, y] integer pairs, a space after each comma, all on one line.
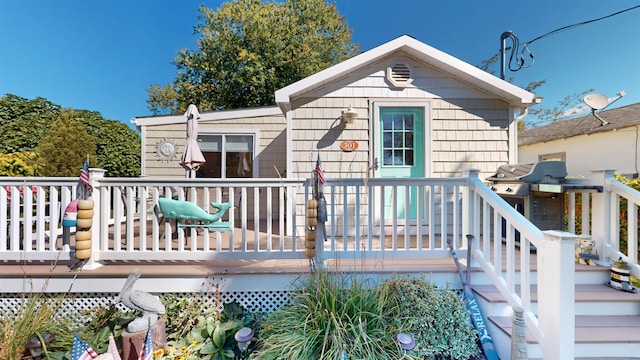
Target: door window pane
[[398, 146]]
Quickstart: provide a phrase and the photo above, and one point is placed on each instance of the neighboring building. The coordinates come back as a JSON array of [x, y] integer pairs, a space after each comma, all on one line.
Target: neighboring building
[[420, 113], [585, 144]]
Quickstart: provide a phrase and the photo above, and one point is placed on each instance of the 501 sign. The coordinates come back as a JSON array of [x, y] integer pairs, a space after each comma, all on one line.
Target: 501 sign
[[348, 146]]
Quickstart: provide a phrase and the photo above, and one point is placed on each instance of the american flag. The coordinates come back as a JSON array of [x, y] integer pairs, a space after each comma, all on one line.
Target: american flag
[[319, 171], [84, 174], [146, 353], [113, 348], [81, 350]]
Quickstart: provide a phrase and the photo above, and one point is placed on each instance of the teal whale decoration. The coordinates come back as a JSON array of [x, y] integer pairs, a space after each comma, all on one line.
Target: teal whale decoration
[[188, 211]]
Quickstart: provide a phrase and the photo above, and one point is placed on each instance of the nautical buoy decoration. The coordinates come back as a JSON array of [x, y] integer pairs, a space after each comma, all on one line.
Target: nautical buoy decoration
[[310, 233], [70, 217], [83, 229], [621, 277]]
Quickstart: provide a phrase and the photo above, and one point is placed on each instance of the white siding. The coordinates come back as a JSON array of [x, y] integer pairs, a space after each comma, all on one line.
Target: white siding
[[617, 150], [271, 149], [469, 129], [428, 83]]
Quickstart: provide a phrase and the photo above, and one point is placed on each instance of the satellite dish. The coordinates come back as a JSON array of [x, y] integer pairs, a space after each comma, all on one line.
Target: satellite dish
[[596, 101]]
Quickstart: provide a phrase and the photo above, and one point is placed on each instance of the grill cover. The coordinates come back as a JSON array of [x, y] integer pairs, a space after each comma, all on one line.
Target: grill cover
[[544, 172]]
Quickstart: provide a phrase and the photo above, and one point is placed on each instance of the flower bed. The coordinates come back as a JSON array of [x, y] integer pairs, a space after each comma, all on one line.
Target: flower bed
[[330, 316]]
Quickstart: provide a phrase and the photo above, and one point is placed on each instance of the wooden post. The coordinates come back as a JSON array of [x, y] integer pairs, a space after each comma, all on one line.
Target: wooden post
[[132, 342]]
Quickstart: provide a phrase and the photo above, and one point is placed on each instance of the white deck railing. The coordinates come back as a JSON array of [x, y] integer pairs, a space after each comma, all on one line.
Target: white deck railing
[[499, 229], [268, 218], [366, 218]]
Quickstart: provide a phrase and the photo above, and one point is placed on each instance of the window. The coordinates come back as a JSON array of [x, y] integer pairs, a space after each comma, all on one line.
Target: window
[[397, 137], [560, 156], [227, 155]]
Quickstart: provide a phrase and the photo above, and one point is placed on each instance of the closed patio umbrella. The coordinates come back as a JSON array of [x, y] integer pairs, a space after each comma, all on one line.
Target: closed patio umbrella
[[192, 157]]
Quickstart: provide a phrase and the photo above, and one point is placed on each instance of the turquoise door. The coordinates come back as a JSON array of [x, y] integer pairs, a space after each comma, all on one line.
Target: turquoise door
[[401, 155]]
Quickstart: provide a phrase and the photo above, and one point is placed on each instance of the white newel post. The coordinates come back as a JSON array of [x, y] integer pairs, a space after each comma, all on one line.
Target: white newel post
[[470, 215], [556, 295], [602, 230], [95, 175]]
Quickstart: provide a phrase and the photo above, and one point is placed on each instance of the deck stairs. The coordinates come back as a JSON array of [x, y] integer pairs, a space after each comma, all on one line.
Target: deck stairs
[[607, 320]]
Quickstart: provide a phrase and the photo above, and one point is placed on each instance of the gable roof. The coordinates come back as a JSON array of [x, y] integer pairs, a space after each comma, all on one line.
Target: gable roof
[[208, 116], [457, 68], [617, 118]]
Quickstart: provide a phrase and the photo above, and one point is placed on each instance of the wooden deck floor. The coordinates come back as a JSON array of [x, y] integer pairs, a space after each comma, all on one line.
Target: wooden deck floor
[[384, 262]]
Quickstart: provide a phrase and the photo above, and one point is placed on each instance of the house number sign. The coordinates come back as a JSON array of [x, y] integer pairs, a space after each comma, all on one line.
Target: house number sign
[[349, 146]]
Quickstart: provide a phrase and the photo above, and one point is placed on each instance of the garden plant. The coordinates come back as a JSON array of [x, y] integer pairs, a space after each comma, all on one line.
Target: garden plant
[[330, 316]]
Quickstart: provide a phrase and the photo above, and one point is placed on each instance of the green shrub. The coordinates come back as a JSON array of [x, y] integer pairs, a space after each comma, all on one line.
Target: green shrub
[[199, 329], [437, 319], [19, 164]]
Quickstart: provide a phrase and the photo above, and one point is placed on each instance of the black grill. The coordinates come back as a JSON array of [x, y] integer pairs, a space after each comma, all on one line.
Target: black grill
[[535, 190]]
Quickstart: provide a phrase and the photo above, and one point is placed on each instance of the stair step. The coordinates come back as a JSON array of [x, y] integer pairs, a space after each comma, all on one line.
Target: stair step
[[584, 293], [600, 329]]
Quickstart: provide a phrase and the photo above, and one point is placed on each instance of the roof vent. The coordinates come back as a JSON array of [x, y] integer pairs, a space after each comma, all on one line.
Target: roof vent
[[399, 75]]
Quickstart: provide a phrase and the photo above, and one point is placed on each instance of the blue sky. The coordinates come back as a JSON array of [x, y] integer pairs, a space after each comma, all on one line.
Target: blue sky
[[104, 55]]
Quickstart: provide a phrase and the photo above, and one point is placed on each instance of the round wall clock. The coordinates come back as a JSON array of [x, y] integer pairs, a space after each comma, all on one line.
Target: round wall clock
[[166, 149]]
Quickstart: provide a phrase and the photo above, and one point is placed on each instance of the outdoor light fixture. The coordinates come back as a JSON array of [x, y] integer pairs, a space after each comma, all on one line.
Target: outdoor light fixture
[[405, 341], [35, 346], [349, 115], [243, 337]]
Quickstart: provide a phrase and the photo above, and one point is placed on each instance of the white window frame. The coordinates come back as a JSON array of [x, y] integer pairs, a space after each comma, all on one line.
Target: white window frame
[[256, 140]]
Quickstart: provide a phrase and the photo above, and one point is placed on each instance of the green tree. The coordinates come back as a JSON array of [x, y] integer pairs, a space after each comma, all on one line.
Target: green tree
[[117, 146], [65, 147], [19, 164], [248, 49], [24, 123]]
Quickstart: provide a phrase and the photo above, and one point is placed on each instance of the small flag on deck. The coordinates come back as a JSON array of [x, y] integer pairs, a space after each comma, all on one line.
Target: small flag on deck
[[113, 348], [81, 350], [319, 171], [146, 353], [84, 174]]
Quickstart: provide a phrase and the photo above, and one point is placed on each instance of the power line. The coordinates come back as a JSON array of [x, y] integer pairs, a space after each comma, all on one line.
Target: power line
[[519, 54], [579, 24]]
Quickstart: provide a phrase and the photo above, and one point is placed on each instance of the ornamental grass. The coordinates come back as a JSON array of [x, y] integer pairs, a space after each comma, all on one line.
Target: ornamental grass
[[332, 316]]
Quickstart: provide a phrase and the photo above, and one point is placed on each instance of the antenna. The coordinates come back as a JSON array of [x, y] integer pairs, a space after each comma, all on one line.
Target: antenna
[[600, 102]]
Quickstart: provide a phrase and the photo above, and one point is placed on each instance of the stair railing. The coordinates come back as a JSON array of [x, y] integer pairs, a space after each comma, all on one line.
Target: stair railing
[[506, 240]]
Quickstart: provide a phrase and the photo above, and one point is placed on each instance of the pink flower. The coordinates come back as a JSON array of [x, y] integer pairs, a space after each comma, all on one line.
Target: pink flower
[[34, 190]]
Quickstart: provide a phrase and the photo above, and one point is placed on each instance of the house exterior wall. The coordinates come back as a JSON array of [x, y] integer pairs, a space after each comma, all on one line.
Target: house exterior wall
[[270, 152], [468, 128], [617, 150]]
